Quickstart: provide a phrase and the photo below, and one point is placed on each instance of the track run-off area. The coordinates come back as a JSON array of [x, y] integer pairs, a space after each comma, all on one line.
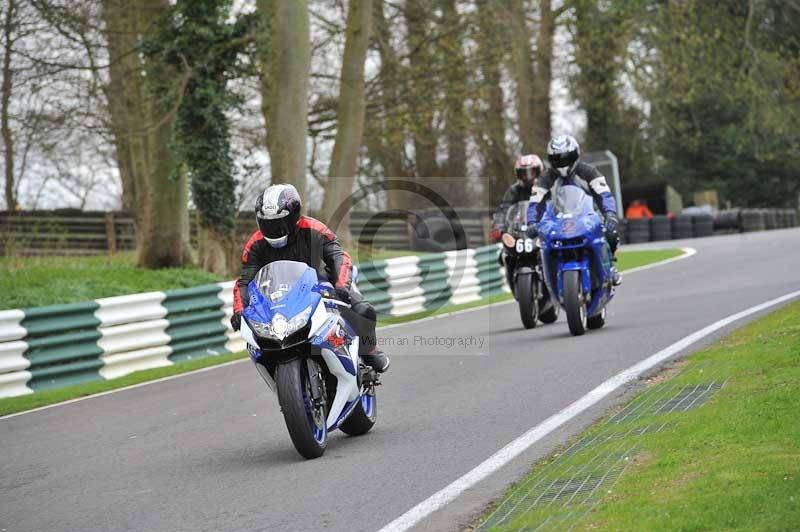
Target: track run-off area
[[471, 402]]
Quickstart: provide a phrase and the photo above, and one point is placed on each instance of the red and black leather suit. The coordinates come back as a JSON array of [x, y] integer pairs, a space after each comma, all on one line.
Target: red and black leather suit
[[316, 245]]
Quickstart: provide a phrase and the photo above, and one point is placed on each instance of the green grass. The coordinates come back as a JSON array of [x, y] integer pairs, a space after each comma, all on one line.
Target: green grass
[[39, 281], [27, 402], [633, 259], [731, 464]]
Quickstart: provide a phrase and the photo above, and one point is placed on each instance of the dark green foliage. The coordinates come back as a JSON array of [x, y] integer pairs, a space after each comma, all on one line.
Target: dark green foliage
[[204, 50], [701, 94], [601, 37], [726, 98]]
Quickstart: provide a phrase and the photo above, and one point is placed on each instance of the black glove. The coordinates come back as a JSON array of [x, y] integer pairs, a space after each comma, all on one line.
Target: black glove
[[236, 321], [533, 230], [342, 294], [611, 223]]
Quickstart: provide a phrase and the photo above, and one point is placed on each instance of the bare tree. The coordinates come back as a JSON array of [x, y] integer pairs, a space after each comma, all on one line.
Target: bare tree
[[350, 124], [142, 131], [285, 70], [5, 101], [497, 163]]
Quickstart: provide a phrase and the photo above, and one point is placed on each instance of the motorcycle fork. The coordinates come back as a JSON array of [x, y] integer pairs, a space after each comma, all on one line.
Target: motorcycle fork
[[317, 380]]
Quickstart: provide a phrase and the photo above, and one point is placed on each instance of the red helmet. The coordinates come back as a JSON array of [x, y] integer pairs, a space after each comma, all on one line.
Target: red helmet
[[528, 168]]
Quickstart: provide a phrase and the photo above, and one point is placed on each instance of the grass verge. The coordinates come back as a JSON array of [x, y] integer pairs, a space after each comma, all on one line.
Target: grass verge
[[39, 281], [628, 259], [674, 462]]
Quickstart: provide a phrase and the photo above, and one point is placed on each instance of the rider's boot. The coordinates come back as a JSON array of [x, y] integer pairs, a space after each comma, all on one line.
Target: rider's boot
[[616, 277], [376, 359]]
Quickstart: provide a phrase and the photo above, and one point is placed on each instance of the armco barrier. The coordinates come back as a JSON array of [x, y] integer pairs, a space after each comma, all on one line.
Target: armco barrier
[[61, 345]]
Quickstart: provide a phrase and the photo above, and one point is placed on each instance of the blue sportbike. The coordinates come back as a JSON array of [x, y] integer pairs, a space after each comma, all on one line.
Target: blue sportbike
[[576, 258], [307, 353]]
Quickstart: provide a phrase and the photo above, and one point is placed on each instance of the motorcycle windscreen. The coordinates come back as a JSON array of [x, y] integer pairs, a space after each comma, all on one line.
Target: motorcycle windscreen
[[277, 279], [517, 215], [571, 199]]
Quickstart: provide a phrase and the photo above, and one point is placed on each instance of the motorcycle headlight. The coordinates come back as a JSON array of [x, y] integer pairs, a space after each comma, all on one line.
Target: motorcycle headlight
[[509, 240], [279, 328], [298, 321], [261, 329]]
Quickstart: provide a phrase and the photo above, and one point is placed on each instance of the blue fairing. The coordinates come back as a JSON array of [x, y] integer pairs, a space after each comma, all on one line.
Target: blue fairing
[[303, 294], [572, 238]]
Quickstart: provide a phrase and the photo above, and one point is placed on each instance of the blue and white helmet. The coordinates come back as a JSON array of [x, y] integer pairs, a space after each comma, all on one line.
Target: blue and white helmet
[[563, 152], [277, 212]]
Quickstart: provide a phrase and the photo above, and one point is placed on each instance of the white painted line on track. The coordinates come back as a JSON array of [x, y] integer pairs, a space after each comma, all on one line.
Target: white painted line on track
[[687, 252], [502, 457]]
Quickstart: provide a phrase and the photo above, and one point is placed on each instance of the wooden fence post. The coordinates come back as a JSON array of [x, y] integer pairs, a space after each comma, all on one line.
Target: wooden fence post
[[111, 233]]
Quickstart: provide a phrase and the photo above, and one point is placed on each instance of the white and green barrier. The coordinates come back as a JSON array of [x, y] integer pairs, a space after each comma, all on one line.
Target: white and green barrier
[[62, 345]]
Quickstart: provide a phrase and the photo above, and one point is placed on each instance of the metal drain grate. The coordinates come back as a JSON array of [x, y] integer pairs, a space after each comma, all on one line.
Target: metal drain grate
[[605, 436], [574, 482], [668, 399], [565, 488]]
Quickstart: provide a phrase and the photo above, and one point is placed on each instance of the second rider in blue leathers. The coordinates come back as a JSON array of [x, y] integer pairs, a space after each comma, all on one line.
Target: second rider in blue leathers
[[563, 153]]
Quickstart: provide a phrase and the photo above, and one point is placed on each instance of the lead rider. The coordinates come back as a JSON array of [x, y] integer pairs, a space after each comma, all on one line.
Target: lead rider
[[563, 154], [284, 234]]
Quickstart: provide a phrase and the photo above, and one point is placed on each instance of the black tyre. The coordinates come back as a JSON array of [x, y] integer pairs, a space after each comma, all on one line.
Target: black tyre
[[528, 306], [660, 228], [363, 416], [306, 423], [638, 230], [597, 321], [574, 303]]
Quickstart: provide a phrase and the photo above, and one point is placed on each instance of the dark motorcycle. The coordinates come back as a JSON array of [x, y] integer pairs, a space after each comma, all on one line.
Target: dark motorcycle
[[522, 261]]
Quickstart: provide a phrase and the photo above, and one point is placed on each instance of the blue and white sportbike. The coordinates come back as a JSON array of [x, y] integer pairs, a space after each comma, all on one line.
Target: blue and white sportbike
[[308, 355], [576, 258]]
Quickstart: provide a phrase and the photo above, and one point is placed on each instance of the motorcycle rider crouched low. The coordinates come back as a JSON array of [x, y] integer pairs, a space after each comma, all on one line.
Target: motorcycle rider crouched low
[[563, 154], [284, 234]]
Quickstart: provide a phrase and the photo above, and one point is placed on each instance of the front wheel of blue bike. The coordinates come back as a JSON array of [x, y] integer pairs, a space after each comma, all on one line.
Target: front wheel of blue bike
[[574, 302]]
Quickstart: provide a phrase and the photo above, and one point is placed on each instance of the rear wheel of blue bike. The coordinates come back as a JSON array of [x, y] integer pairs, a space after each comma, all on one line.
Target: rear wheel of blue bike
[[305, 417], [574, 302]]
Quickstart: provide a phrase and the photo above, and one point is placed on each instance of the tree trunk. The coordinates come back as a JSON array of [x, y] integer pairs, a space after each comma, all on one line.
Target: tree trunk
[[220, 252], [350, 121], [390, 146], [522, 67], [540, 105], [156, 189], [597, 47], [286, 58], [5, 100], [456, 81], [497, 162], [424, 88]]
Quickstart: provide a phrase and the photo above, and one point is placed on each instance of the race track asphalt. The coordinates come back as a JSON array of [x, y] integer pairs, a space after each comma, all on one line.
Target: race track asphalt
[[210, 451]]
